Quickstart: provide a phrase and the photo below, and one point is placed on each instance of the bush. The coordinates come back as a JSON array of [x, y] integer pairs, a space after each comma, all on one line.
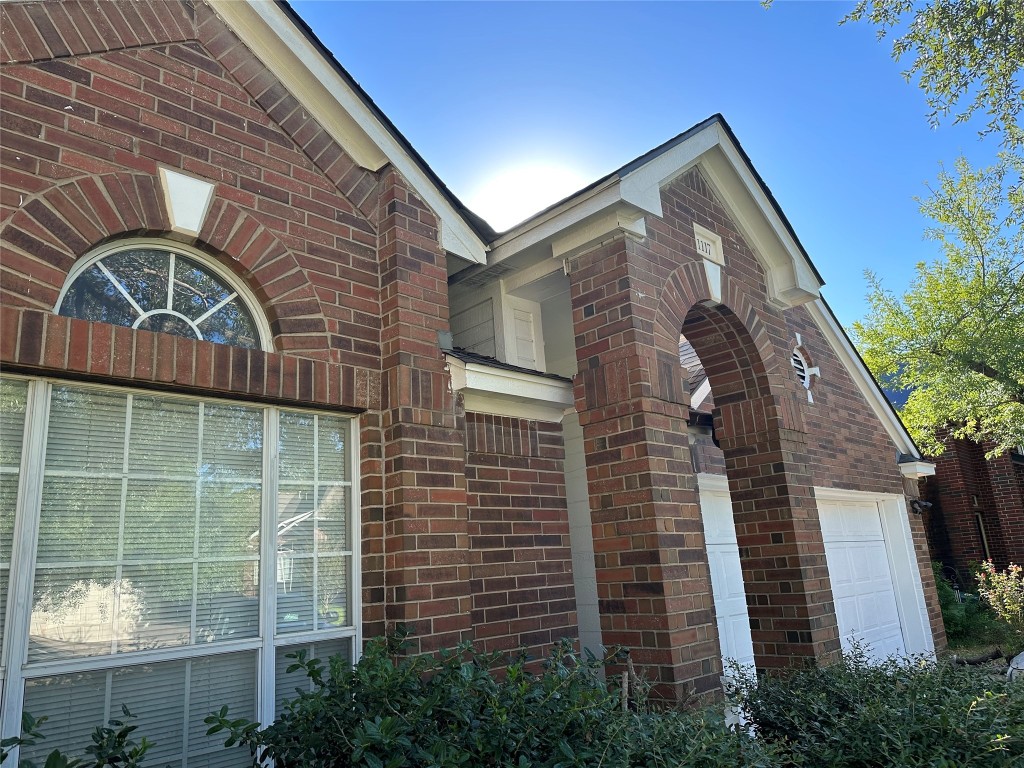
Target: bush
[[112, 744], [457, 709], [903, 712], [969, 622], [1004, 591]]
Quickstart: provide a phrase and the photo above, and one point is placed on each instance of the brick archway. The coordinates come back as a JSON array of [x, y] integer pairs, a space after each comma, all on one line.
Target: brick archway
[[761, 432], [44, 238], [782, 555]]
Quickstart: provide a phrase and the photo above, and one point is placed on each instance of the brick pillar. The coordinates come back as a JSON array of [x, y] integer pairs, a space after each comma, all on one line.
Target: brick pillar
[[1007, 540], [782, 555], [653, 582], [954, 488], [426, 571]]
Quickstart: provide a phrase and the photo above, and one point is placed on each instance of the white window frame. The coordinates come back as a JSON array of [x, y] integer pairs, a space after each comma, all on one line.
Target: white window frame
[[14, 670], [133, 243]]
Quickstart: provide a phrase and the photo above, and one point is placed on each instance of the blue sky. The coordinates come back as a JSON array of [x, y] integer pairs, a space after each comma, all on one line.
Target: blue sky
[[569, 91]]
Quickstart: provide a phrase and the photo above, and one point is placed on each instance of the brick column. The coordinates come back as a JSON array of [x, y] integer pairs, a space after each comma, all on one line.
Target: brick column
[[782, 555], [426, 572], [653, 582], [1007, 542]]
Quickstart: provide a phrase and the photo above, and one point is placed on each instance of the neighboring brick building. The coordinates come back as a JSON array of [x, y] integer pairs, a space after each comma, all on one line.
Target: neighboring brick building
[[977, 508], [235, 300]]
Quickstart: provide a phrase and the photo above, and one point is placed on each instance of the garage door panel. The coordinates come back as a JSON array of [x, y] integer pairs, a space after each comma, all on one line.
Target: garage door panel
[[862, 585]]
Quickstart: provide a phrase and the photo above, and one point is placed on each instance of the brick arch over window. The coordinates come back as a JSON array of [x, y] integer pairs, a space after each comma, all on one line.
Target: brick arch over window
[[52, 230]]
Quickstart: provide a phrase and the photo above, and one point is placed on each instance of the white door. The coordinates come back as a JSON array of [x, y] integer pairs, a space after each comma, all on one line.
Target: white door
[[862, 583], [726, 576]]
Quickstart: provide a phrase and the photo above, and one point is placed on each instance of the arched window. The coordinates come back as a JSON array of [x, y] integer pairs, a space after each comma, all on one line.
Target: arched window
[[163, 287]]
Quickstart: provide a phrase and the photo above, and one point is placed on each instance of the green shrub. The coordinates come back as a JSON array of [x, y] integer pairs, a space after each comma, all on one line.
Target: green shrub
[[1004, 592], [112, 744], [903, 712], [458, 709], [969, 622]]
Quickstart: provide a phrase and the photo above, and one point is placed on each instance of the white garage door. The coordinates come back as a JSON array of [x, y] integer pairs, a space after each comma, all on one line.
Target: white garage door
[[726, 577], [862, 583]]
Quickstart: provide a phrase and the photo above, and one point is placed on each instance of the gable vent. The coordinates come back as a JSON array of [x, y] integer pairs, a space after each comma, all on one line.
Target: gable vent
[[800, 366]]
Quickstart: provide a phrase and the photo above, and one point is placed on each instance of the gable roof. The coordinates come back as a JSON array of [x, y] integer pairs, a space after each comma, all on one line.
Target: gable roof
[[292, 51], [286, 45]]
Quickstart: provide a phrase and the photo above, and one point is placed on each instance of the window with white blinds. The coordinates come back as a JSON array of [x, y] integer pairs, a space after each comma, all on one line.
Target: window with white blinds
[[140, 566]]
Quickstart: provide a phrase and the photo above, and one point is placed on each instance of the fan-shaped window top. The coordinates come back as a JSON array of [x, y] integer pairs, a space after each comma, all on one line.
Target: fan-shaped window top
[[163, 290]]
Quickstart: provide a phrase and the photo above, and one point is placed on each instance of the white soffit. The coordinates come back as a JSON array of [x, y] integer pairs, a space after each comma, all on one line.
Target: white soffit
[[272, 36], [187, 199], [618, 204], [872, 393], [500, 392]]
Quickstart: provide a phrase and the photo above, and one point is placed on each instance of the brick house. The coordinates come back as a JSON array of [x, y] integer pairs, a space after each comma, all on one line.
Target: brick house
[[977, 508], [235, 300]]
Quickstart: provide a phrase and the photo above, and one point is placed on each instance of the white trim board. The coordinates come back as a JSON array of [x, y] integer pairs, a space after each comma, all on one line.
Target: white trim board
[[500, 392]]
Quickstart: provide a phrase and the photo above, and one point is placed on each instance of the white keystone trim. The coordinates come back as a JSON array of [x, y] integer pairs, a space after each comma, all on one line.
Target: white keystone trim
[[275, 40], [187, 198], [500, 392]]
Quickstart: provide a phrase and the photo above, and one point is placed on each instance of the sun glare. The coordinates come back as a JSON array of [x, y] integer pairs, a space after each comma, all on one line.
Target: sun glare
[[515, 192]]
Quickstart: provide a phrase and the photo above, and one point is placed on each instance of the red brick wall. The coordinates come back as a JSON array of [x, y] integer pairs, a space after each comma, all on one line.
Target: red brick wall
[[345, 264], [520, 559]]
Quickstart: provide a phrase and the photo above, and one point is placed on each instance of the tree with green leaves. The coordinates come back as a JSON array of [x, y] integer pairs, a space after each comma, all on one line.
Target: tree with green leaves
[[967, 56], [955, 338]]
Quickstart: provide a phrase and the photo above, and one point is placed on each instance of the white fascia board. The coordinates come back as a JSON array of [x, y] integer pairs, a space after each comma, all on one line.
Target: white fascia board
[[265, 28], [790, 277], [619, 203], [700, 393], [872, 393], [642, 186], [502, 392], [917, 469], [557, 220]]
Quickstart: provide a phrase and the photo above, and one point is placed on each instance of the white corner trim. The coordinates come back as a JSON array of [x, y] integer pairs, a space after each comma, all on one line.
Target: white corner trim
[[338, 108], [501, 392], [917, 469], [862, 377], [187, 199], [700, 393]]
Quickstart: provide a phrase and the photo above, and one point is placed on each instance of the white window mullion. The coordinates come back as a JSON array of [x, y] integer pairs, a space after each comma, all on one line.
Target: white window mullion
[[118, 570], [195, 526], [186, 712], [23, 558], [268, 567]]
